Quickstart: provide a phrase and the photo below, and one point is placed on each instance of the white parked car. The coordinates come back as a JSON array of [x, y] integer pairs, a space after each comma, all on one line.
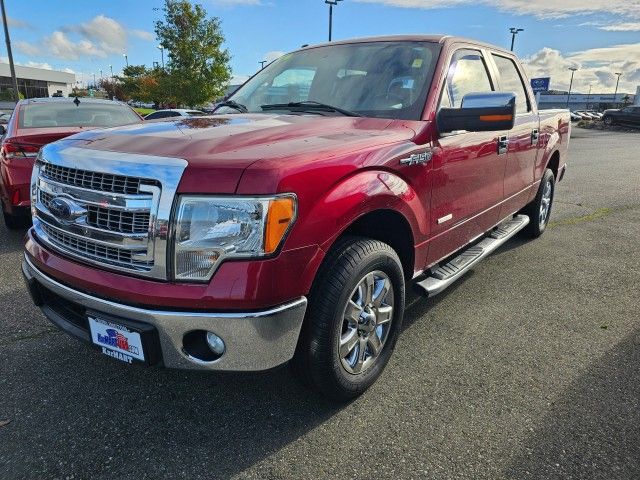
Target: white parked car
[[175, 112]]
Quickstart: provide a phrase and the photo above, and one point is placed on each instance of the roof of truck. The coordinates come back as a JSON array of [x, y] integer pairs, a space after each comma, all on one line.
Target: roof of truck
[[442, 39]]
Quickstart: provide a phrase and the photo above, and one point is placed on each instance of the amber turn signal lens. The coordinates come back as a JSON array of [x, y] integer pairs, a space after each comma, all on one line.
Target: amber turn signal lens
[[281, 214], [495, 118]]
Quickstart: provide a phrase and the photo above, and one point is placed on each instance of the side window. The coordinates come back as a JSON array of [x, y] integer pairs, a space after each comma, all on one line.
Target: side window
[[153, 116], [467, 74], [510, 81]]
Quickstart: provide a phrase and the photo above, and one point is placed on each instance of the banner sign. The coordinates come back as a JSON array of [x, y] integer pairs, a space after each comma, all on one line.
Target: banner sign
[[540, 84]]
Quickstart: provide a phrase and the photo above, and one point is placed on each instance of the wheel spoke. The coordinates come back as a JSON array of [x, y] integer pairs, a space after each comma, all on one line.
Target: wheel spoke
[[384, 315], [375, 345], [369, 284], [362, 348], [352, 313], [382, 294], [348, 342]]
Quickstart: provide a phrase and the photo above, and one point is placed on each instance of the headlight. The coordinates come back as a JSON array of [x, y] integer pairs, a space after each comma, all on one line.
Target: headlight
[[212, 229]]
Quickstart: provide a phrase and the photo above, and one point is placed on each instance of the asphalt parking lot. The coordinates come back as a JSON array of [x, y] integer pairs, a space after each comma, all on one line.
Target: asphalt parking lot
[[528, 368]]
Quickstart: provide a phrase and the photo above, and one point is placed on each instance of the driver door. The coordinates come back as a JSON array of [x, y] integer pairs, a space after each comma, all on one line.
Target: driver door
[[468, 167]]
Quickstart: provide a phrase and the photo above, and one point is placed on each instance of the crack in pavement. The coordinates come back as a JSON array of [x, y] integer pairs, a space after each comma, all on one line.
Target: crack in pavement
[[40, 334]]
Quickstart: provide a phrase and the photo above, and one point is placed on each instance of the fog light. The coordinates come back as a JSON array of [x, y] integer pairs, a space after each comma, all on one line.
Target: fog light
[[215, 343]]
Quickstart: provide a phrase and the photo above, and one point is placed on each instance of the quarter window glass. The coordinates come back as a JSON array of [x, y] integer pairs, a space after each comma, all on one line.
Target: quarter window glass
[[467, 74], [510, 81]]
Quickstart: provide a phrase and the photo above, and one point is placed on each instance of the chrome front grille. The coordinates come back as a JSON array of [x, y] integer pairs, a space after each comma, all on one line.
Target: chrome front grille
[[106, 208], [110, 219], [103, 182]]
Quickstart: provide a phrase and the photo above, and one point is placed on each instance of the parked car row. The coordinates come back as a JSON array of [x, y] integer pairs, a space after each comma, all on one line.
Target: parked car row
[[629, 115]]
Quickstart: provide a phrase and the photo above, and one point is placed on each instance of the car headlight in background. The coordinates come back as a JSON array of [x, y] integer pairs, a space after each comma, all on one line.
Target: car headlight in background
[[212, 229]]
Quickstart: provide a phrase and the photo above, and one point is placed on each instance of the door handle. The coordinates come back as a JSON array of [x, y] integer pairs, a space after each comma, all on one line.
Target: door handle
[[503, 144], [535, 136]]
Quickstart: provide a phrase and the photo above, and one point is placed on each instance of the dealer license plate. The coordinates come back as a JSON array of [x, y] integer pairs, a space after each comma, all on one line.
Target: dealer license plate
[[116, 341]]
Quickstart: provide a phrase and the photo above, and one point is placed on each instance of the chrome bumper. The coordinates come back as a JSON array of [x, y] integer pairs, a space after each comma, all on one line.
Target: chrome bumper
[[254, 341]]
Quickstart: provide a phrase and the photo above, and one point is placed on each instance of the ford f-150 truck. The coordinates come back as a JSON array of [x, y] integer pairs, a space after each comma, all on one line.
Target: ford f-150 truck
[[288, 226]]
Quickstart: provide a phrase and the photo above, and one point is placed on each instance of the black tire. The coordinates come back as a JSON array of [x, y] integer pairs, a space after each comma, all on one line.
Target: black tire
[[608, 120], [18, 221], [317, 361], [538, 224]]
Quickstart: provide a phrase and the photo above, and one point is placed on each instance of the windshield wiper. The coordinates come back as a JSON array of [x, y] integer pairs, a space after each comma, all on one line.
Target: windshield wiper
[[235, 105], [309, 105]]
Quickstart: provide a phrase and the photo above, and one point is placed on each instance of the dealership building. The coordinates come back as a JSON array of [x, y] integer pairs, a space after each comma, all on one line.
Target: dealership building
[[584, 101], [36, 82]]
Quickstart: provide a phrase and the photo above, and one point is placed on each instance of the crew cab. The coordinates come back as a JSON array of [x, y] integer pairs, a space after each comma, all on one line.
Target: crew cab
[[287, 227]]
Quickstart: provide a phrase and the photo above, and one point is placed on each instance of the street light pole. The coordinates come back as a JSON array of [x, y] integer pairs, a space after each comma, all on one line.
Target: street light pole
[[161, 48], [126, 59], [14, 79], [111, 68], [262, 62], [589, 95], [619, 74], [573, 70], [514, 31], [331, 3]]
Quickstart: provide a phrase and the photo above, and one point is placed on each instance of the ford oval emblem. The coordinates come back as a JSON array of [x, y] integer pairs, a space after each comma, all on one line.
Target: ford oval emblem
[[65, 209]]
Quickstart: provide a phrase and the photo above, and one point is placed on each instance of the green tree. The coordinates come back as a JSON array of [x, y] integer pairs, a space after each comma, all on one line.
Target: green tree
[[198, 65], [131, 79]]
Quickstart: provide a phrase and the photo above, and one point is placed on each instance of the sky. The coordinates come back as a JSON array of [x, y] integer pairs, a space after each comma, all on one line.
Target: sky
[[600, 37]]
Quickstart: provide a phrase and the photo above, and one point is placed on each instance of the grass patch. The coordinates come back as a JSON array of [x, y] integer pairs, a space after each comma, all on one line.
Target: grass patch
[[144, 111]]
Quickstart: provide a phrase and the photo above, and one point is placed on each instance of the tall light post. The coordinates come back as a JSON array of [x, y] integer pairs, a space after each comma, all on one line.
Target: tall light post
[[589, 95], [331, 3], [514, 31], [619, 74], [161, 48], [126, 59], [12, 68], [111, 68], [573, 70], [262, 62]]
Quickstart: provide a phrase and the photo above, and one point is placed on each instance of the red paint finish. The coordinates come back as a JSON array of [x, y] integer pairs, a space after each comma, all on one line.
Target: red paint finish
[[340, 168]]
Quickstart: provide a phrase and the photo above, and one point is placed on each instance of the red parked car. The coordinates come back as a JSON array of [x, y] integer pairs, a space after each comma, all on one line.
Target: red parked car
[[288, 227], [36, 122]]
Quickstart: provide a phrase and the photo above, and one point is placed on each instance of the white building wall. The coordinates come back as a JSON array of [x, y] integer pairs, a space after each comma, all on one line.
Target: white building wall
[[54, 87]]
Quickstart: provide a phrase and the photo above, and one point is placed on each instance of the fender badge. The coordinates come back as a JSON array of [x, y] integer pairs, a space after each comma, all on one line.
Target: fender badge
[[417, 158]]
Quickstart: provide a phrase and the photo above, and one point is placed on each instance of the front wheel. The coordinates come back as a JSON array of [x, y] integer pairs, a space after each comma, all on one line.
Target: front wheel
[[353, 320], [608, 120]]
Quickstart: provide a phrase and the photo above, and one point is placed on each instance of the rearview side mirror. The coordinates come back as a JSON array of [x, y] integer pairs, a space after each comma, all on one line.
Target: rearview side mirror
[[479, 112]]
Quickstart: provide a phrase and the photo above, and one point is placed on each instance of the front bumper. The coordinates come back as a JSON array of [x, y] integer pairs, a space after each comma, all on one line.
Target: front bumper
[[254, 340]]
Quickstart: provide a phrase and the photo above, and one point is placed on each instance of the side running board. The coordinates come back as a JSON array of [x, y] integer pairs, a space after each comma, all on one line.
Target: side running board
[[443, 275]]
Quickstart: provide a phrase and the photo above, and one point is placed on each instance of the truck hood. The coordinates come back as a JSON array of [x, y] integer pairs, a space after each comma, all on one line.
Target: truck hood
[[219, 148]]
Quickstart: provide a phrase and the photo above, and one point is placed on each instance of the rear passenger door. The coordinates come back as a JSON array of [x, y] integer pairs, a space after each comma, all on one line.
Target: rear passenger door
[[523, 139], [468, 170]]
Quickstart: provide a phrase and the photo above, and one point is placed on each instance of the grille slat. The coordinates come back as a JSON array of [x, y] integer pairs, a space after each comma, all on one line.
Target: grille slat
[[104, 182], [95, 251]]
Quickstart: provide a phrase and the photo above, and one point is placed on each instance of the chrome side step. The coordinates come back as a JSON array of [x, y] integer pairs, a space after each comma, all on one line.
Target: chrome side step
[[443, 275]]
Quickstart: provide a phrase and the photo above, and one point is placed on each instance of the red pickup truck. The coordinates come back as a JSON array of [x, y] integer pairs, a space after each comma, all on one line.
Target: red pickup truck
[[288, 226]]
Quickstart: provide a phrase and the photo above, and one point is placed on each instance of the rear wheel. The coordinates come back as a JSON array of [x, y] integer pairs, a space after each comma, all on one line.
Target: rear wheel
[[353, 320], [608, 120], [539, 210]]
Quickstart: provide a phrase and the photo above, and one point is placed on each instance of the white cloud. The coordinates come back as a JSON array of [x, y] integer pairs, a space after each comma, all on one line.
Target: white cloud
[[539, 8], [17, 23], [107, 33], [596, 66], [143, 34], [61, 46], [43, 65], [622, 27], [27, 48]]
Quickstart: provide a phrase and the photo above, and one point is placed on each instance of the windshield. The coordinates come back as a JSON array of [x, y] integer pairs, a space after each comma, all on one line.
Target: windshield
[[67, 114], [376, 79]]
